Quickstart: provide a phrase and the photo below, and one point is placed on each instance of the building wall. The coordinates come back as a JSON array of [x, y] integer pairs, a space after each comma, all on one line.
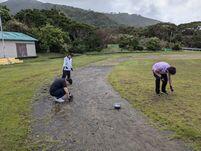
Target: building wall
[[31, 49], [11, 50]]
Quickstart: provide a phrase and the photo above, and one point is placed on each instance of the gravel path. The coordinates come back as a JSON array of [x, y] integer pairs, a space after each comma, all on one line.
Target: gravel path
[[90, 123]]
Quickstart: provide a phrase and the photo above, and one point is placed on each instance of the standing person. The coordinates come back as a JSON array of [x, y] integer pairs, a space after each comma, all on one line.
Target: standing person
[[59, 90], [67, 67], [162, 72]]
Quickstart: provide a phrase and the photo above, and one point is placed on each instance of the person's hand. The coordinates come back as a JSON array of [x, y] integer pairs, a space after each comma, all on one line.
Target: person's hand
[[65, 68], [71, 69], [171, 88]]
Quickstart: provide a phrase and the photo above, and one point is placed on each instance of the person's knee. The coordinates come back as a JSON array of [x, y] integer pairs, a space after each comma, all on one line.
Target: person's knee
[[165, 80], [158, 80]]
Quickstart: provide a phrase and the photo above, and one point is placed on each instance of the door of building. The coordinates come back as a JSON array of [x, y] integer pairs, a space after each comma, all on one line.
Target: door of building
[[21, 50]]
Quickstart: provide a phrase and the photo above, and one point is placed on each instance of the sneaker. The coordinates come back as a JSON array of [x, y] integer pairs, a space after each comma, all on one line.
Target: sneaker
[[60, 100], [70, 98]]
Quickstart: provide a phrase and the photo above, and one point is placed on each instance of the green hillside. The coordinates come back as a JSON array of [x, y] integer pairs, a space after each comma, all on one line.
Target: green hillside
[[131, 19], [84, 16]]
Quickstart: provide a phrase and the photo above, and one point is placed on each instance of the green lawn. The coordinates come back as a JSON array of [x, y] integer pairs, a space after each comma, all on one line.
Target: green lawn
[[111, 48], [18, 84], [180, 111]]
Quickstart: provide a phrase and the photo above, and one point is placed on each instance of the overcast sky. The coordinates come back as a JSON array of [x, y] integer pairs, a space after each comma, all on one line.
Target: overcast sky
[[176, 11]]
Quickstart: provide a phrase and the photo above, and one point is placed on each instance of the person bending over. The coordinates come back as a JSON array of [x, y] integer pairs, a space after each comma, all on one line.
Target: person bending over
[[67, 67], [59, 90], [162, 72]]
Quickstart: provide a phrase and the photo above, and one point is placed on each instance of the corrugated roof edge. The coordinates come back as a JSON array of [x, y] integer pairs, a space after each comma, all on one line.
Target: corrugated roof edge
[[16, 36]]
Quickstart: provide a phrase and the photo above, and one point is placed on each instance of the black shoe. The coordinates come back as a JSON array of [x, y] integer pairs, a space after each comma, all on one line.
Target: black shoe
[[70, 98], [158, 94]]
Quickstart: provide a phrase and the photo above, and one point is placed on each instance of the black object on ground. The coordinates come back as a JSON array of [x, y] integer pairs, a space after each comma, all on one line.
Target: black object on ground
[[117, 106]]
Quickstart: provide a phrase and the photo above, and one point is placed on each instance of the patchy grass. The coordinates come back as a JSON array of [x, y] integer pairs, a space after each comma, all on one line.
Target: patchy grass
[[111, 48], [18, 84], [179, 112]]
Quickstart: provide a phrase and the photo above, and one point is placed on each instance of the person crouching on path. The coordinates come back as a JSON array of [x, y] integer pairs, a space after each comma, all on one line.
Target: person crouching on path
[[162, 72], [67, 67], [59, 90]]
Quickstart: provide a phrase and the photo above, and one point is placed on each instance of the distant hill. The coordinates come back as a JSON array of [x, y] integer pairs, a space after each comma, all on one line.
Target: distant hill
[[131, 20], [84, 16]]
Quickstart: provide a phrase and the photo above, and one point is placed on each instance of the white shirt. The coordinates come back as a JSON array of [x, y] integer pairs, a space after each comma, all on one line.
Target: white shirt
[[161, 67], [67, 66]]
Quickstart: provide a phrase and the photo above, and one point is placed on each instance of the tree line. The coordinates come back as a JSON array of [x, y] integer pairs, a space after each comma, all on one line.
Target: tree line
[[55, 32], [154, 37], [58, 33]]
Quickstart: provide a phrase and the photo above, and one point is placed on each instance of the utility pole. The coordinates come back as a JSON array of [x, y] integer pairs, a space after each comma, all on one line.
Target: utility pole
[[2, 35]]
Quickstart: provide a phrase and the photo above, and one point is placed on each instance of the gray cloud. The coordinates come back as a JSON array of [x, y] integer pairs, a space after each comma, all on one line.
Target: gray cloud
[[176, 11]]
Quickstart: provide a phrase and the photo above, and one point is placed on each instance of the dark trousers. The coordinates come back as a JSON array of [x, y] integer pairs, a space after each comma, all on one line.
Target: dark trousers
[[164, 80], [66, 74], [58, 93]]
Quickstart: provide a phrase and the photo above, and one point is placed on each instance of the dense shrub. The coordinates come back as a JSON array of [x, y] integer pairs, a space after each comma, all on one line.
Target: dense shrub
[[5, 14], [176, 46], [130, 42], [134, 43], [51, 39], [124, 41], [78, 46], [86, 44], [57, 33], [14, 25], [153, 44]]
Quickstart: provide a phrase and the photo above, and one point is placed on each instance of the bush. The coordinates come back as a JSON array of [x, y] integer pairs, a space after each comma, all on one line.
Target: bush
[[164, 44], [134, 43], [5, 14], [124, 41], [78, 46], [176, 46], [16, 26], [51, 39], [93, 42], [153, 44], [130, 42], [86, 44], [140, 48]]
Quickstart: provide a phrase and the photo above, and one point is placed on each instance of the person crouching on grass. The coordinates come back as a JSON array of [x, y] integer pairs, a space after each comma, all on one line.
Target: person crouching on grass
[[59, 90], [67, 67], [162, 72]]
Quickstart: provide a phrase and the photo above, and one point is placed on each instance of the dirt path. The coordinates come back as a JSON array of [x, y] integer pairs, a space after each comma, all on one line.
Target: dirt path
[[90, 123]]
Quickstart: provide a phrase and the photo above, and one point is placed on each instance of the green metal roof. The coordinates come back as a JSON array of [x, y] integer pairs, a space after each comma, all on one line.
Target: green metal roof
[[16, 36]]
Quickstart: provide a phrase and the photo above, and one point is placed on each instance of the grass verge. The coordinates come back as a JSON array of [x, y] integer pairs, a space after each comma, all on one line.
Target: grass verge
[[19, 82], [179, 112]]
